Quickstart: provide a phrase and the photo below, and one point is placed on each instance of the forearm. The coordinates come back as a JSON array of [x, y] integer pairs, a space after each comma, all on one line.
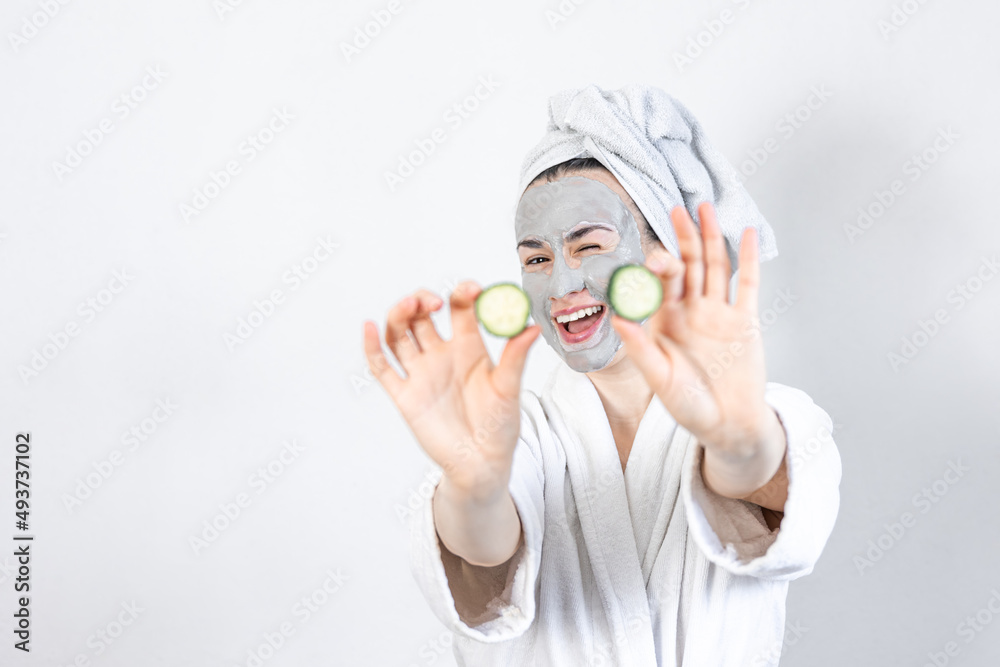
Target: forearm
[[758, 475], [482, 529]]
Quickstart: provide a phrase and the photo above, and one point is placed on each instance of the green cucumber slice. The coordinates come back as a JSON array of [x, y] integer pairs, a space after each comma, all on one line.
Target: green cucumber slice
[[503, 309], [634, 292]]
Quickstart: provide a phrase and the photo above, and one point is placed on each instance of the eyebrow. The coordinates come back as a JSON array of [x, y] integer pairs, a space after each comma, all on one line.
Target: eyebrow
[[531, 243], [577, 232], [585, 228]]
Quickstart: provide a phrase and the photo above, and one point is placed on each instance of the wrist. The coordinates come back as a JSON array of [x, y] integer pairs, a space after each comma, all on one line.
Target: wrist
[[737, 472], [476, 490]]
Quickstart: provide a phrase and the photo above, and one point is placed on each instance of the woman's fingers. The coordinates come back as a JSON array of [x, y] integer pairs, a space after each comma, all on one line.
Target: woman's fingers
[[423, 326], [669, 372], [689, 244], [463, 314], [670, 271], [749, 281], [377, 362], [668, 318], [510, 368], [397, 328], [409, 328], [717, 266], [651, 360]]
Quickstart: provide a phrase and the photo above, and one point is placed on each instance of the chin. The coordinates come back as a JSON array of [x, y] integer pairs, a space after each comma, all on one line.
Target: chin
[[584, 361]]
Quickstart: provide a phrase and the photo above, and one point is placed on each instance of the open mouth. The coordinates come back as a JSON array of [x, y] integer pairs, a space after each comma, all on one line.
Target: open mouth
[[580, 325]]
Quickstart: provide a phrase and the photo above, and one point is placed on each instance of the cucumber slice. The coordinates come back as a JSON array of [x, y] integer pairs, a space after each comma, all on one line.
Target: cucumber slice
[[634, 292], [503, 309]]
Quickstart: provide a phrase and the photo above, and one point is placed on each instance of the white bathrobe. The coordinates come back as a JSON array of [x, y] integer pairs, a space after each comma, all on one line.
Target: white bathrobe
[[643, 568]]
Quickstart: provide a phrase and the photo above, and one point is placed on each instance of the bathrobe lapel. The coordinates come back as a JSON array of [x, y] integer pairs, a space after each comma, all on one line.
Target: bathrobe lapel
[[602, 504], [652, 485]]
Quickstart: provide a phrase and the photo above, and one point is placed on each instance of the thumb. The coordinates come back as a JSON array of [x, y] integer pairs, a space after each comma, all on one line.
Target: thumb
[[651, 360], [670, 270], [507, 374]]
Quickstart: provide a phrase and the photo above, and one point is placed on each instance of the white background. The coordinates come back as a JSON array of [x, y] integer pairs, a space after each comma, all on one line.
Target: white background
[[300, 375]]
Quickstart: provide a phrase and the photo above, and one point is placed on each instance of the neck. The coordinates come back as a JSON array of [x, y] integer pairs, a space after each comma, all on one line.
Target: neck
[[623, 390]]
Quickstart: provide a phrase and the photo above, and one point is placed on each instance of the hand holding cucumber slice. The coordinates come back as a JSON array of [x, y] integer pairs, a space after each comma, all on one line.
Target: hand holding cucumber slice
[[503, 309], [634, 292]]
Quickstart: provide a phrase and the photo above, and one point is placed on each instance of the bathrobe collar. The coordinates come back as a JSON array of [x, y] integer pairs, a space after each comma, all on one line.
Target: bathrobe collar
[[601, 493]]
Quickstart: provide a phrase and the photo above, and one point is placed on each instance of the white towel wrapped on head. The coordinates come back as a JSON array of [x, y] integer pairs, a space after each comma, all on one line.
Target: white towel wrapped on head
[[658, 151]]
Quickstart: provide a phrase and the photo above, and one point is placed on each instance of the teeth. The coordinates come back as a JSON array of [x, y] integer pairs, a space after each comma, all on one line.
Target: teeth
[[583, 312]]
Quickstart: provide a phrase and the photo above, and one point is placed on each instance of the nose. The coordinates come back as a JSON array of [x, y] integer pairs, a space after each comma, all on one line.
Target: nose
[[564, 279], [554, 299]]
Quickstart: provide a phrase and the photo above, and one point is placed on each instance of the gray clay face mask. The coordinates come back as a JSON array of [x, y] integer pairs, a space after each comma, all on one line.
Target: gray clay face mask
[[559, 266]]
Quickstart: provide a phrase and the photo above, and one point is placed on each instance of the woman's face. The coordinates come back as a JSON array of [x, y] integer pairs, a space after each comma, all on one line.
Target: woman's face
[[572, 234]]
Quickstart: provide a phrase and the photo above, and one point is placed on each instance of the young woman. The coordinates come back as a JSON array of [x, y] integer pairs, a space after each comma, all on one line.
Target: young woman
[[650, 505]]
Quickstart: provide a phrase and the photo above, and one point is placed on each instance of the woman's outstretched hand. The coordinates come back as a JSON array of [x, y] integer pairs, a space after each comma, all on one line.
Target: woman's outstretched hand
[[463, 410], [465, 413], [704, 357]]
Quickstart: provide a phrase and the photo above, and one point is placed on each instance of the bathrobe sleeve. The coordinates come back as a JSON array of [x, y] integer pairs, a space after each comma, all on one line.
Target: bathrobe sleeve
[[439, 574], [733, 533]]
